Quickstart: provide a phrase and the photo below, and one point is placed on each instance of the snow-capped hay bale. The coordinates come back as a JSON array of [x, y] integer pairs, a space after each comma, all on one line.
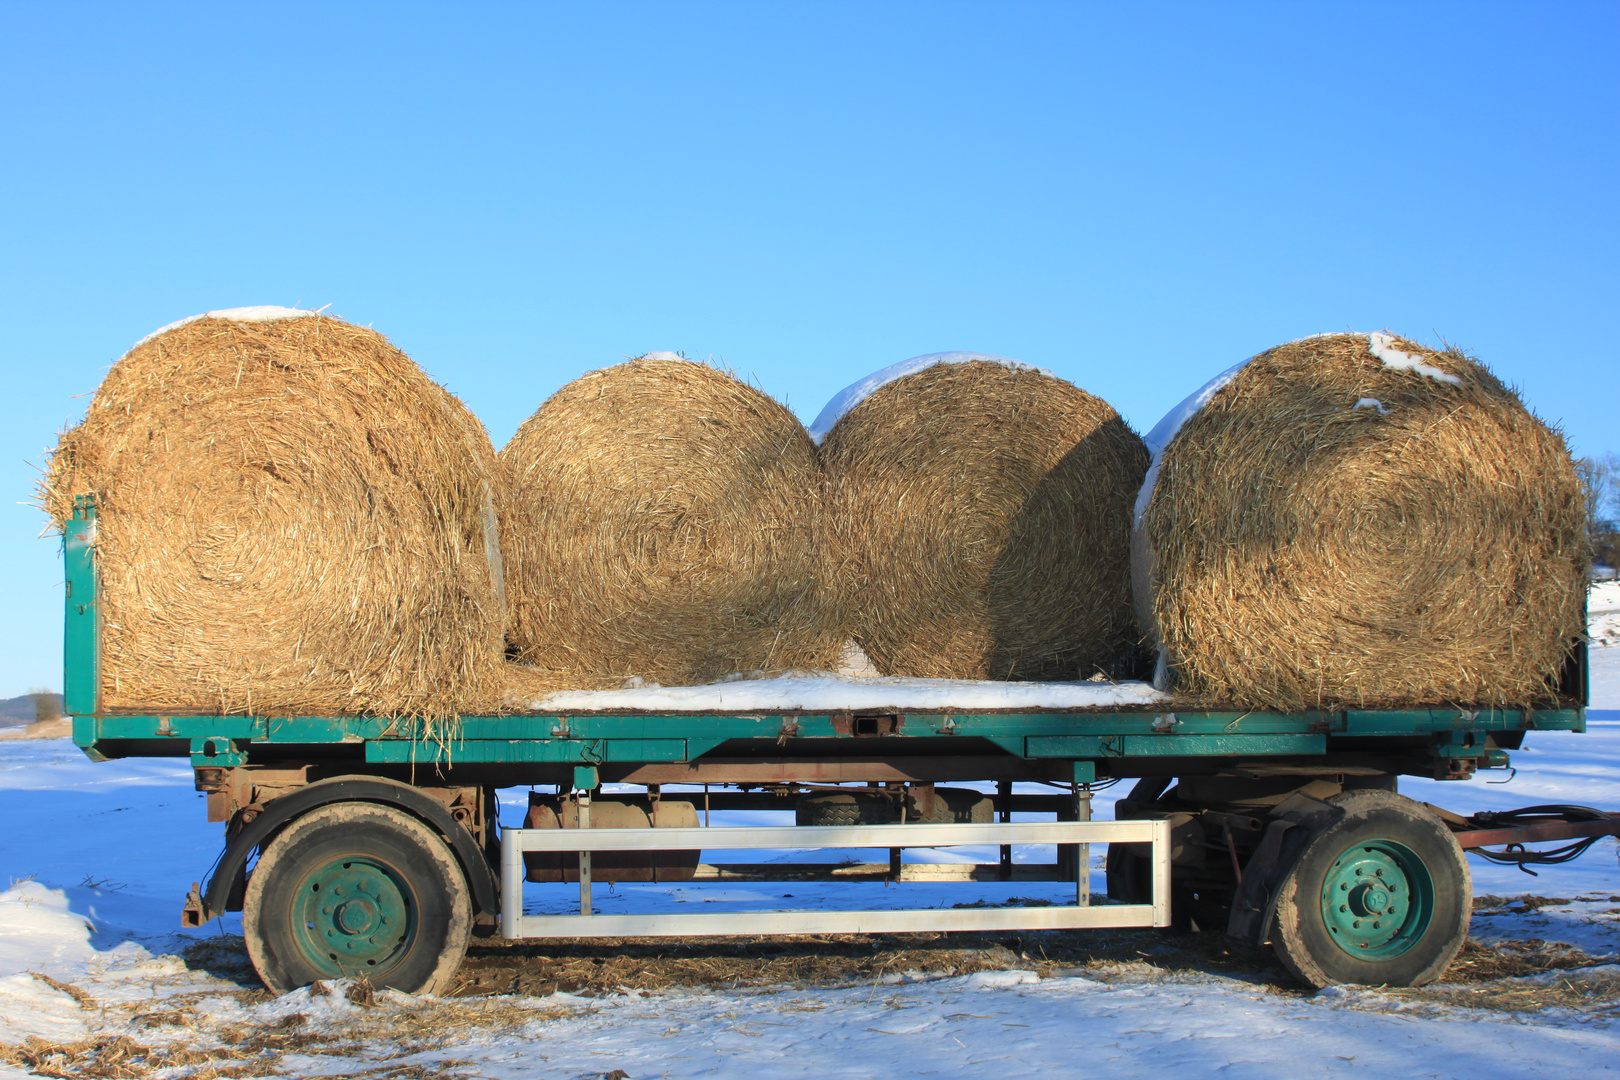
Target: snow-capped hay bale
[[293, 519], [981, 520], [1356, 520], [662, 524]]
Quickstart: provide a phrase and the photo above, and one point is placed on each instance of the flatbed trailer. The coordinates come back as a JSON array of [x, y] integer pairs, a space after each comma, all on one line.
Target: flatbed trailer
[[365, 846]]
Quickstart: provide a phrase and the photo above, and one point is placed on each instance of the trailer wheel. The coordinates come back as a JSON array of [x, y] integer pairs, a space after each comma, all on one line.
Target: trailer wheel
[[1129, 867], [1381, 897], [357, 889]]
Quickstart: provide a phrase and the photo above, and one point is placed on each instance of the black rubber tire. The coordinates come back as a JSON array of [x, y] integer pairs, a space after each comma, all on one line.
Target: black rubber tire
[[1128, 868], [1129, 873], [422, 867], [1300, 934], [845, 808]]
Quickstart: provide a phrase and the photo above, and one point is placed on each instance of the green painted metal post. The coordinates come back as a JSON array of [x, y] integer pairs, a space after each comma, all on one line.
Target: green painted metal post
[[81, 629]]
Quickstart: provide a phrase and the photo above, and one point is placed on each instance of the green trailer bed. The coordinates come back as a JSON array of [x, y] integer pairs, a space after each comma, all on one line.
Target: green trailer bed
[[1143, 740]]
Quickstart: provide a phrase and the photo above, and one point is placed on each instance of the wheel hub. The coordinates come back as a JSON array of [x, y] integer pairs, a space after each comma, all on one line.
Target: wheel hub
[[1377, 899], [353, 917], [1369, 900], [357, 916]]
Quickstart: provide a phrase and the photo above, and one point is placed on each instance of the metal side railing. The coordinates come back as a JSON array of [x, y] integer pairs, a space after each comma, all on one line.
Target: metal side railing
[[1080, 915]]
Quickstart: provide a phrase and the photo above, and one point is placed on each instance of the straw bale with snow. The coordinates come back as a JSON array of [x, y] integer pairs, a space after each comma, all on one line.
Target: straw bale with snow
[[293, 519], [662, 525], [1355, 520], [980, 521]]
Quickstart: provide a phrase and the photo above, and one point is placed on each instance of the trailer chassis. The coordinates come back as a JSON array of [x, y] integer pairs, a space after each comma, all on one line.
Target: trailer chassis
[[1285, 826]]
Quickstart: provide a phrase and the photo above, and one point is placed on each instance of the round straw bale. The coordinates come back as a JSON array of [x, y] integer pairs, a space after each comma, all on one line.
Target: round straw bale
[[292, 519], [1356, 520], [981, 522], [662, 524]]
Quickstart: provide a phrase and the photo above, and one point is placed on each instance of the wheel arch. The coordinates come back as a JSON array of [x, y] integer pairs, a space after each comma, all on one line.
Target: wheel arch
[[232, 864], [1254, 905]]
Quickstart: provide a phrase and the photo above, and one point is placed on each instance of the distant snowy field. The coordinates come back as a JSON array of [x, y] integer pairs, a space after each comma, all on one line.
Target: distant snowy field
[[1603, 624], [98, 856]]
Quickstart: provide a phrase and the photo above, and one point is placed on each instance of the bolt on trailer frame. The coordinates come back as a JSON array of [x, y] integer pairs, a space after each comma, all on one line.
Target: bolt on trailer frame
[[262, 772]]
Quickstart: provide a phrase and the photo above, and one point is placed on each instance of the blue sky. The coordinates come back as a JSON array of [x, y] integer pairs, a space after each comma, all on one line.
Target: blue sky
[[1134, 196]]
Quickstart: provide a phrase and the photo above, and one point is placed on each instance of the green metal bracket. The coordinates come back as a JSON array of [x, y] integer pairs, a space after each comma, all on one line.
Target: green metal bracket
[[585, 778], [1117, 746], [1475, 745], [552, 751], [217, 751], [1460, 744], [84, 737], [1085, 772]]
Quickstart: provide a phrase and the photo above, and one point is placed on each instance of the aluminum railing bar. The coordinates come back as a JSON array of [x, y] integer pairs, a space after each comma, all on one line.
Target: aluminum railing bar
[[765, 923], [831, 836], [514, 842]]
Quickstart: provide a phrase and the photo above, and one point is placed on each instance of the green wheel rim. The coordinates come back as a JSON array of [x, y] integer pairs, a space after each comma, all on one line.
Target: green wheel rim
[[1377, 899], [353, 916]]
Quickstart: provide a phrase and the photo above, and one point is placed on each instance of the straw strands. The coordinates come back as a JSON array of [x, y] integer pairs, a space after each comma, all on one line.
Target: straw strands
[[662, 524], [1358, 521], [293, 519], [981, 518]]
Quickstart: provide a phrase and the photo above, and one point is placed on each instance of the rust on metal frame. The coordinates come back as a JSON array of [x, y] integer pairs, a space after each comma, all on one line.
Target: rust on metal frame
[[894, 769], [1538, 832]]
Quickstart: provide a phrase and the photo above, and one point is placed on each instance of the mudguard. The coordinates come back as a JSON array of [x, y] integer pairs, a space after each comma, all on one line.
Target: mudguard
[[225, 886]]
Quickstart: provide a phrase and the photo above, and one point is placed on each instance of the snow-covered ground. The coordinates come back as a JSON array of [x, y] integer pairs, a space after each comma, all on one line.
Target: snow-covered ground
[[1603, 614], [98, 856], [96, 980]]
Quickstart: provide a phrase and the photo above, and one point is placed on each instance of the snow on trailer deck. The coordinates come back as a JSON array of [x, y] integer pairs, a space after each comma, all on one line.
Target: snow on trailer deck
[[804, 691], [92, 905]]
